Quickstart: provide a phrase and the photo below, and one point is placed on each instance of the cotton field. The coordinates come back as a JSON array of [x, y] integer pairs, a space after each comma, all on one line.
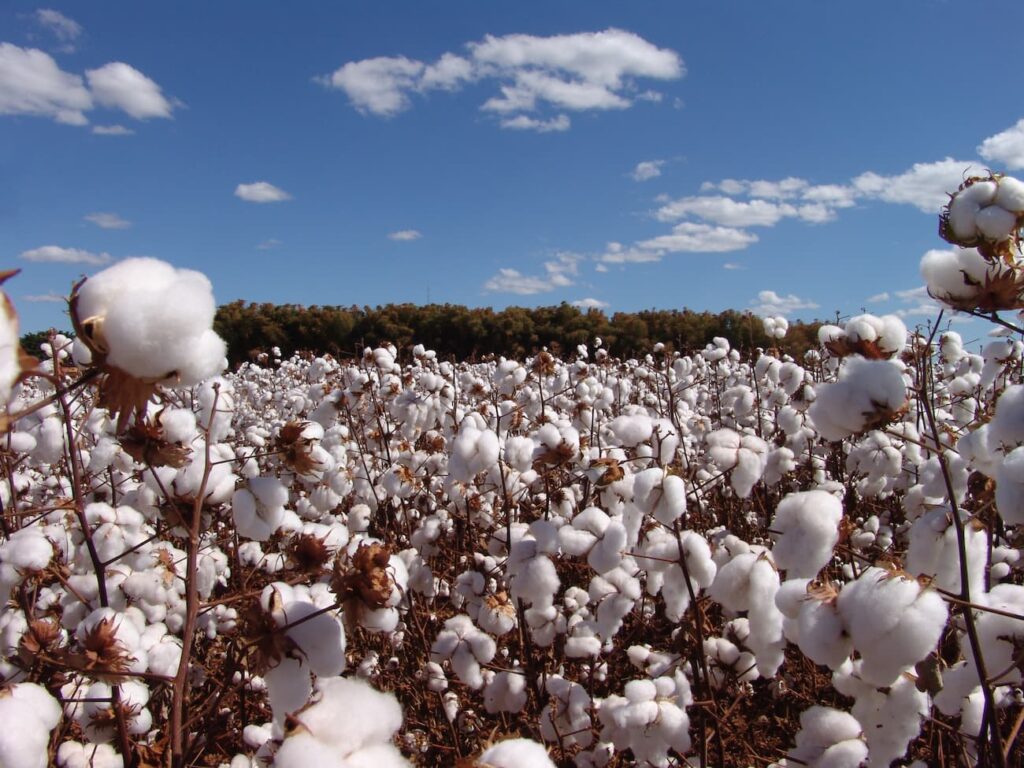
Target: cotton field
[[729, 557]]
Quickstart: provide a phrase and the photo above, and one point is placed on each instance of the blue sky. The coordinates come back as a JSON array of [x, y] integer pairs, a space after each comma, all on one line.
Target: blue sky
[[625, 155]]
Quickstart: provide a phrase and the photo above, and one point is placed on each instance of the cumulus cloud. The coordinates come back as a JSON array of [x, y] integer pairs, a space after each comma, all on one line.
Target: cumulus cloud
[[405, 235], [575, 72], [57, 254], [925, 185], [31, 83], [726, 211], [560, 272], [123, 87], [647, 170], [692, 237], [261, 192], [107, 220], [1006, 147], [770, 303], [590, 303]]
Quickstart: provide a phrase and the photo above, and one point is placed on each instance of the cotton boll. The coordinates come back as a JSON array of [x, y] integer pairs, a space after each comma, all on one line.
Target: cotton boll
[[892, 622], [505, 692], [473, 452], [1010, 487], [515, 753], [808, 529], [829, 737], [319, 637], [154, 320], [28, 713], [995, 223], [258, 510], [934, 552], [75, 754], [288, 688], [867, 392]]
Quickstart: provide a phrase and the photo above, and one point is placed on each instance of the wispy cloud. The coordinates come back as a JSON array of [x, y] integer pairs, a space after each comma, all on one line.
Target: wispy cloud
[[112, 130], [64, 29], [108, 220], [57, 254], [54, 298], [268, 245], [405, 235]]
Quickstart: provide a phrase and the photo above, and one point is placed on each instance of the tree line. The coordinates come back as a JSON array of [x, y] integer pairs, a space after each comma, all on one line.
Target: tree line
[[464, 333]]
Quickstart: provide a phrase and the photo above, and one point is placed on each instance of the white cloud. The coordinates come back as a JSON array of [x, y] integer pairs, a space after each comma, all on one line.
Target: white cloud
[[268, 245], [616, 253], [732, 266], [559, 273], [31, 83], [1006, 147], [783, 189], [647, 169], [726, 211], [108, 221], [582, 71], [123, 87], [112, 130], [378, 85], [590, 303], [601, 268], [925, 185], [770, 303], [513, 281], [45, 297], [261, 192], [700, 238], [405, 235], [527, 123], [56, 254], [878, 298], [64, 29]]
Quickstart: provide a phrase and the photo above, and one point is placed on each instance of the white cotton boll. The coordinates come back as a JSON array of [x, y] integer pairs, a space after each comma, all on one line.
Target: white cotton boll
[[867, 390], [505, 692], [515, 753], [1010, 487], [995, 223], [1010, 194], [519, 452], [75, 754], [808, 529], [891, 719], [829, 737], [156, 320], [258, 510], [472, 452], [350, 714], [320, 640], [934, 552], [892, 622], [630, 431], [28, 713], [288, 688]]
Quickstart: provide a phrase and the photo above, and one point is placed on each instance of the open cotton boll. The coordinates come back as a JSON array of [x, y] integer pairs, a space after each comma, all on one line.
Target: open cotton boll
[[829, 738], [28, 713], [467, 648], [10, 366], [868, 393], [892, 621], [661, 495], [1010, 487], [807, 525], [154, 320], [319, 637], [75, 754], [258, 510], [473, 452], [933, 551], [349, 725], [515, 753], [744, 457]]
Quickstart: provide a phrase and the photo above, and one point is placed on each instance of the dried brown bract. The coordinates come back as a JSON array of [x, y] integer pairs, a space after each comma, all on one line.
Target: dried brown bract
[[296, 450], [365, 577], [146, 443]]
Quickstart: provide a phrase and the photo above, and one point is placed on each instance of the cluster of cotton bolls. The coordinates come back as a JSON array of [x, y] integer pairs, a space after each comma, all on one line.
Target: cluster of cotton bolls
[[599, 557]]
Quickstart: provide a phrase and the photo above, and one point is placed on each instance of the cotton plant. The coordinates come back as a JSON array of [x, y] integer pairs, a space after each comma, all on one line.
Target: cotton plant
[[868, 393], [650, 719]]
